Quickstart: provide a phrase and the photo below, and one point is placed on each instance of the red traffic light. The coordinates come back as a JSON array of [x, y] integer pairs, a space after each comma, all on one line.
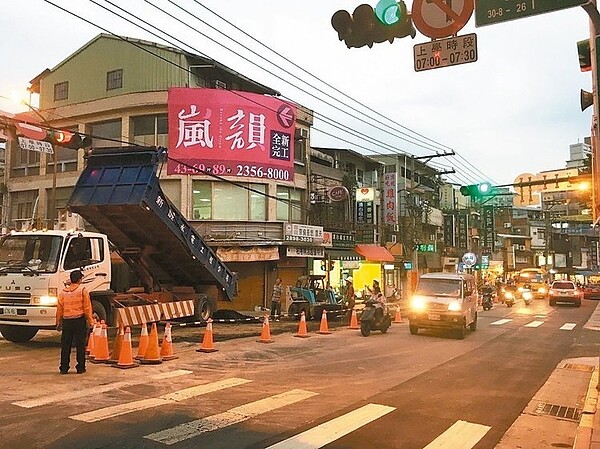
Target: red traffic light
[[68, 139]]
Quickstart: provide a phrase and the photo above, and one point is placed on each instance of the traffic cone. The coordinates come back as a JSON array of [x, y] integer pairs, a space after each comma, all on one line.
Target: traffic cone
[[354, 321], [126, 353], [302, 330], [90, 345], [97, 337], [398, 317], [152, 354], [101, 354], [143, 344], [116, 352], [265, 335], [166, 349], [207, 341], [324, 329]]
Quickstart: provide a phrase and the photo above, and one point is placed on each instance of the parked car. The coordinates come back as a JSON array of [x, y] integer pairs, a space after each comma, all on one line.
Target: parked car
[[564, 292], [591, 291]]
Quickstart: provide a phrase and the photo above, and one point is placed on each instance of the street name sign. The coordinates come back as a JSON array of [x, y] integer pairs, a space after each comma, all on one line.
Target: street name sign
[[445, 52], [489, 12], [40, 146]]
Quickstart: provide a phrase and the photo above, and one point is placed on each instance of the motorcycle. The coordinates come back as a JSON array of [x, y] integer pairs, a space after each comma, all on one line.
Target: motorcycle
[[488, 300], [509, 297], [374, 316], [527, 295]]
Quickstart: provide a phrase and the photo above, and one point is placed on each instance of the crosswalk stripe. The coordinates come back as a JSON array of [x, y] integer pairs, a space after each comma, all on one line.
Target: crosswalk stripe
[[568, 326], [501, 322], [534, 324], [233, 416], [460, 435], [74, 394], [177, 396], [332, 430]]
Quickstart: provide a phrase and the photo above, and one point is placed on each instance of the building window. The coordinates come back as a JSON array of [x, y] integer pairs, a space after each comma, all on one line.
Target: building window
[[61, 91], [150, 130], [106, 134], [60, 203], [114, 79], [66, 158], [24, 162], [289, 204], [224, 201], [21, 209]]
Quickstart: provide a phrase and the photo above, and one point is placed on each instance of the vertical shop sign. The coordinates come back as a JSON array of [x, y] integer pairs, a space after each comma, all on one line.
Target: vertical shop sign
[[463, 230], [390, 212], [488, 227], [449, 234]]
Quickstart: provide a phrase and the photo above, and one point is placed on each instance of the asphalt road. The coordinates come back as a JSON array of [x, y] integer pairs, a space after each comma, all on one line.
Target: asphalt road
[[336, 391]]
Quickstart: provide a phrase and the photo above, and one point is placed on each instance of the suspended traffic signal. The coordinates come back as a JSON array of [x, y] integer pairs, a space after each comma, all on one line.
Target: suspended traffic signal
[[477, 190], [68, 139], [366, 26]]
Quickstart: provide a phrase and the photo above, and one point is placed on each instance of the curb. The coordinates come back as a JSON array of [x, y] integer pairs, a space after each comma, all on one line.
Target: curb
[[583, 437]]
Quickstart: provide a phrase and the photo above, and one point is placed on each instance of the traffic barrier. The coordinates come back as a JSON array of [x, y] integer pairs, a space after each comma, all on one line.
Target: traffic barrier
[[324, 329], [116, 352], [101, 354], [265, 335], [143, 343], [89, 350], [302, 330], [126, 353], [207, 341], [354, 321], [398, 317], [166, 349], [152, 354]]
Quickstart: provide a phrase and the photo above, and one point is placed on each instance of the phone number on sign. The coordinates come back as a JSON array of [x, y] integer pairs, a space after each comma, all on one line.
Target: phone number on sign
[[249, 171], [257, 171]]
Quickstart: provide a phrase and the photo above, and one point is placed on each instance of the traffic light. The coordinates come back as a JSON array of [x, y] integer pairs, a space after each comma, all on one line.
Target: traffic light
[[68, 139], [477, 190], [366, 26]]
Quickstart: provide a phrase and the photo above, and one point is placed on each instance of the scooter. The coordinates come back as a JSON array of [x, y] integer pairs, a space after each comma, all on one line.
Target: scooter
[[374, 316], [509, 298], [527, 296], [488, 300]]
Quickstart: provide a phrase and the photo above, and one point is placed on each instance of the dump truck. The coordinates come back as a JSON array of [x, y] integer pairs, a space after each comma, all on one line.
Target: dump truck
[[172, 273]]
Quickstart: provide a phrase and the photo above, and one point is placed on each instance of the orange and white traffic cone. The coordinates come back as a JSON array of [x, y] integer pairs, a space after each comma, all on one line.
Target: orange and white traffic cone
[[126, 353], [207, 341], [116, 352], [90, 345], [398, 317], [152, 354], [354, 321], [143, 344], [324, 329], [101, 353], [265, 334], [166, 349], [302, 330]]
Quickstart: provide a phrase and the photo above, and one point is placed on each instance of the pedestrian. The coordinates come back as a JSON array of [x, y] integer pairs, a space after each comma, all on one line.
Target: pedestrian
[[375, 289], [73, 317], [349, 295], [276, 299]]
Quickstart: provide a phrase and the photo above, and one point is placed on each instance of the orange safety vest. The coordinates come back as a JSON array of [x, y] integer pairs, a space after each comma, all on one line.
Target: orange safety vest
[[74, 303]]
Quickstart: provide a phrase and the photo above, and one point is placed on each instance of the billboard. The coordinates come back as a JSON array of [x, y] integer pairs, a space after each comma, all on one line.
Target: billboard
[[230, 133]]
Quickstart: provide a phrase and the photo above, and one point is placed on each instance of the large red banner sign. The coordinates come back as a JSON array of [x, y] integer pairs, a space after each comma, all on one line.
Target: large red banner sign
[[230, 133]]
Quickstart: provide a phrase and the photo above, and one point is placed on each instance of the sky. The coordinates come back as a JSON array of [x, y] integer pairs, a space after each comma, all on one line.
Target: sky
[[515, 110]]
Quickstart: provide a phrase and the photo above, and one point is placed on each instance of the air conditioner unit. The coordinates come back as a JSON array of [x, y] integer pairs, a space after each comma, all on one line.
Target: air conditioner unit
[[220, 84], [522, 247], [507, 225], [301, 133]]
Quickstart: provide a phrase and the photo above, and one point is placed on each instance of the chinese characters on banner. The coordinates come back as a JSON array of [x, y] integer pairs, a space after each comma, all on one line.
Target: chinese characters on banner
[[364, 212], [449, 235], [390, 211], [488, 227], [462, 236], [230, 133]]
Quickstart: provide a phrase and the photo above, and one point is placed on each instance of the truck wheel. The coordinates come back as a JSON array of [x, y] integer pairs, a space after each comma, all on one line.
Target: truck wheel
[[98, 311], [473, 325], [18, 334], [414, 330], [462, 331], [202, 310]]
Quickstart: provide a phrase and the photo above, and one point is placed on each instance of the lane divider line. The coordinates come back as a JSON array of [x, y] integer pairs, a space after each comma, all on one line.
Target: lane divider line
[[534, 324], [568, 326], [460, 435], [233, 416], [500, 322]]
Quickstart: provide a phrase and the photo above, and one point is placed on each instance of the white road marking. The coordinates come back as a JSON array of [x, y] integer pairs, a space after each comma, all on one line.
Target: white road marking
[[539, 316], [501, 322], [336, 428], [177, 396], [534, 324], [461, 435], [233, 416], [74, 394], [568, 326]]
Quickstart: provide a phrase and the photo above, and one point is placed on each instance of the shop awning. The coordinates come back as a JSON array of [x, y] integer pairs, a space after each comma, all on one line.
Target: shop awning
[[374, 253], [342, 254], [248, 254]]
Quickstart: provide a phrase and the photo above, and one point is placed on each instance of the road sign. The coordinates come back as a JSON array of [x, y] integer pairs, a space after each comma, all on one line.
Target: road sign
[[469, 259], [489, 12], [445, 52], [441, 18], [35, 145]]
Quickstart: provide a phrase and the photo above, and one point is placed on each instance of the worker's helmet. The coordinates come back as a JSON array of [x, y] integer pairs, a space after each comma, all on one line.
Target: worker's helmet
[[349, 279]]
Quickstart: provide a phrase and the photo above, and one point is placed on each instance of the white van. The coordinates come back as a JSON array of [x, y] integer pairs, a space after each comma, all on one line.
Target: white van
[[444, 301]]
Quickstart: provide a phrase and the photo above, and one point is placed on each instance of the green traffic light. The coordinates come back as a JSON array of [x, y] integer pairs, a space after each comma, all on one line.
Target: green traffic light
[[484, 188], [388, 12]]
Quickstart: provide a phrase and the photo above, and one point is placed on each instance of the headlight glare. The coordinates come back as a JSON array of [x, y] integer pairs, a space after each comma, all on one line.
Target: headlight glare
[[417, 303], [454, 306], [48, 300]]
